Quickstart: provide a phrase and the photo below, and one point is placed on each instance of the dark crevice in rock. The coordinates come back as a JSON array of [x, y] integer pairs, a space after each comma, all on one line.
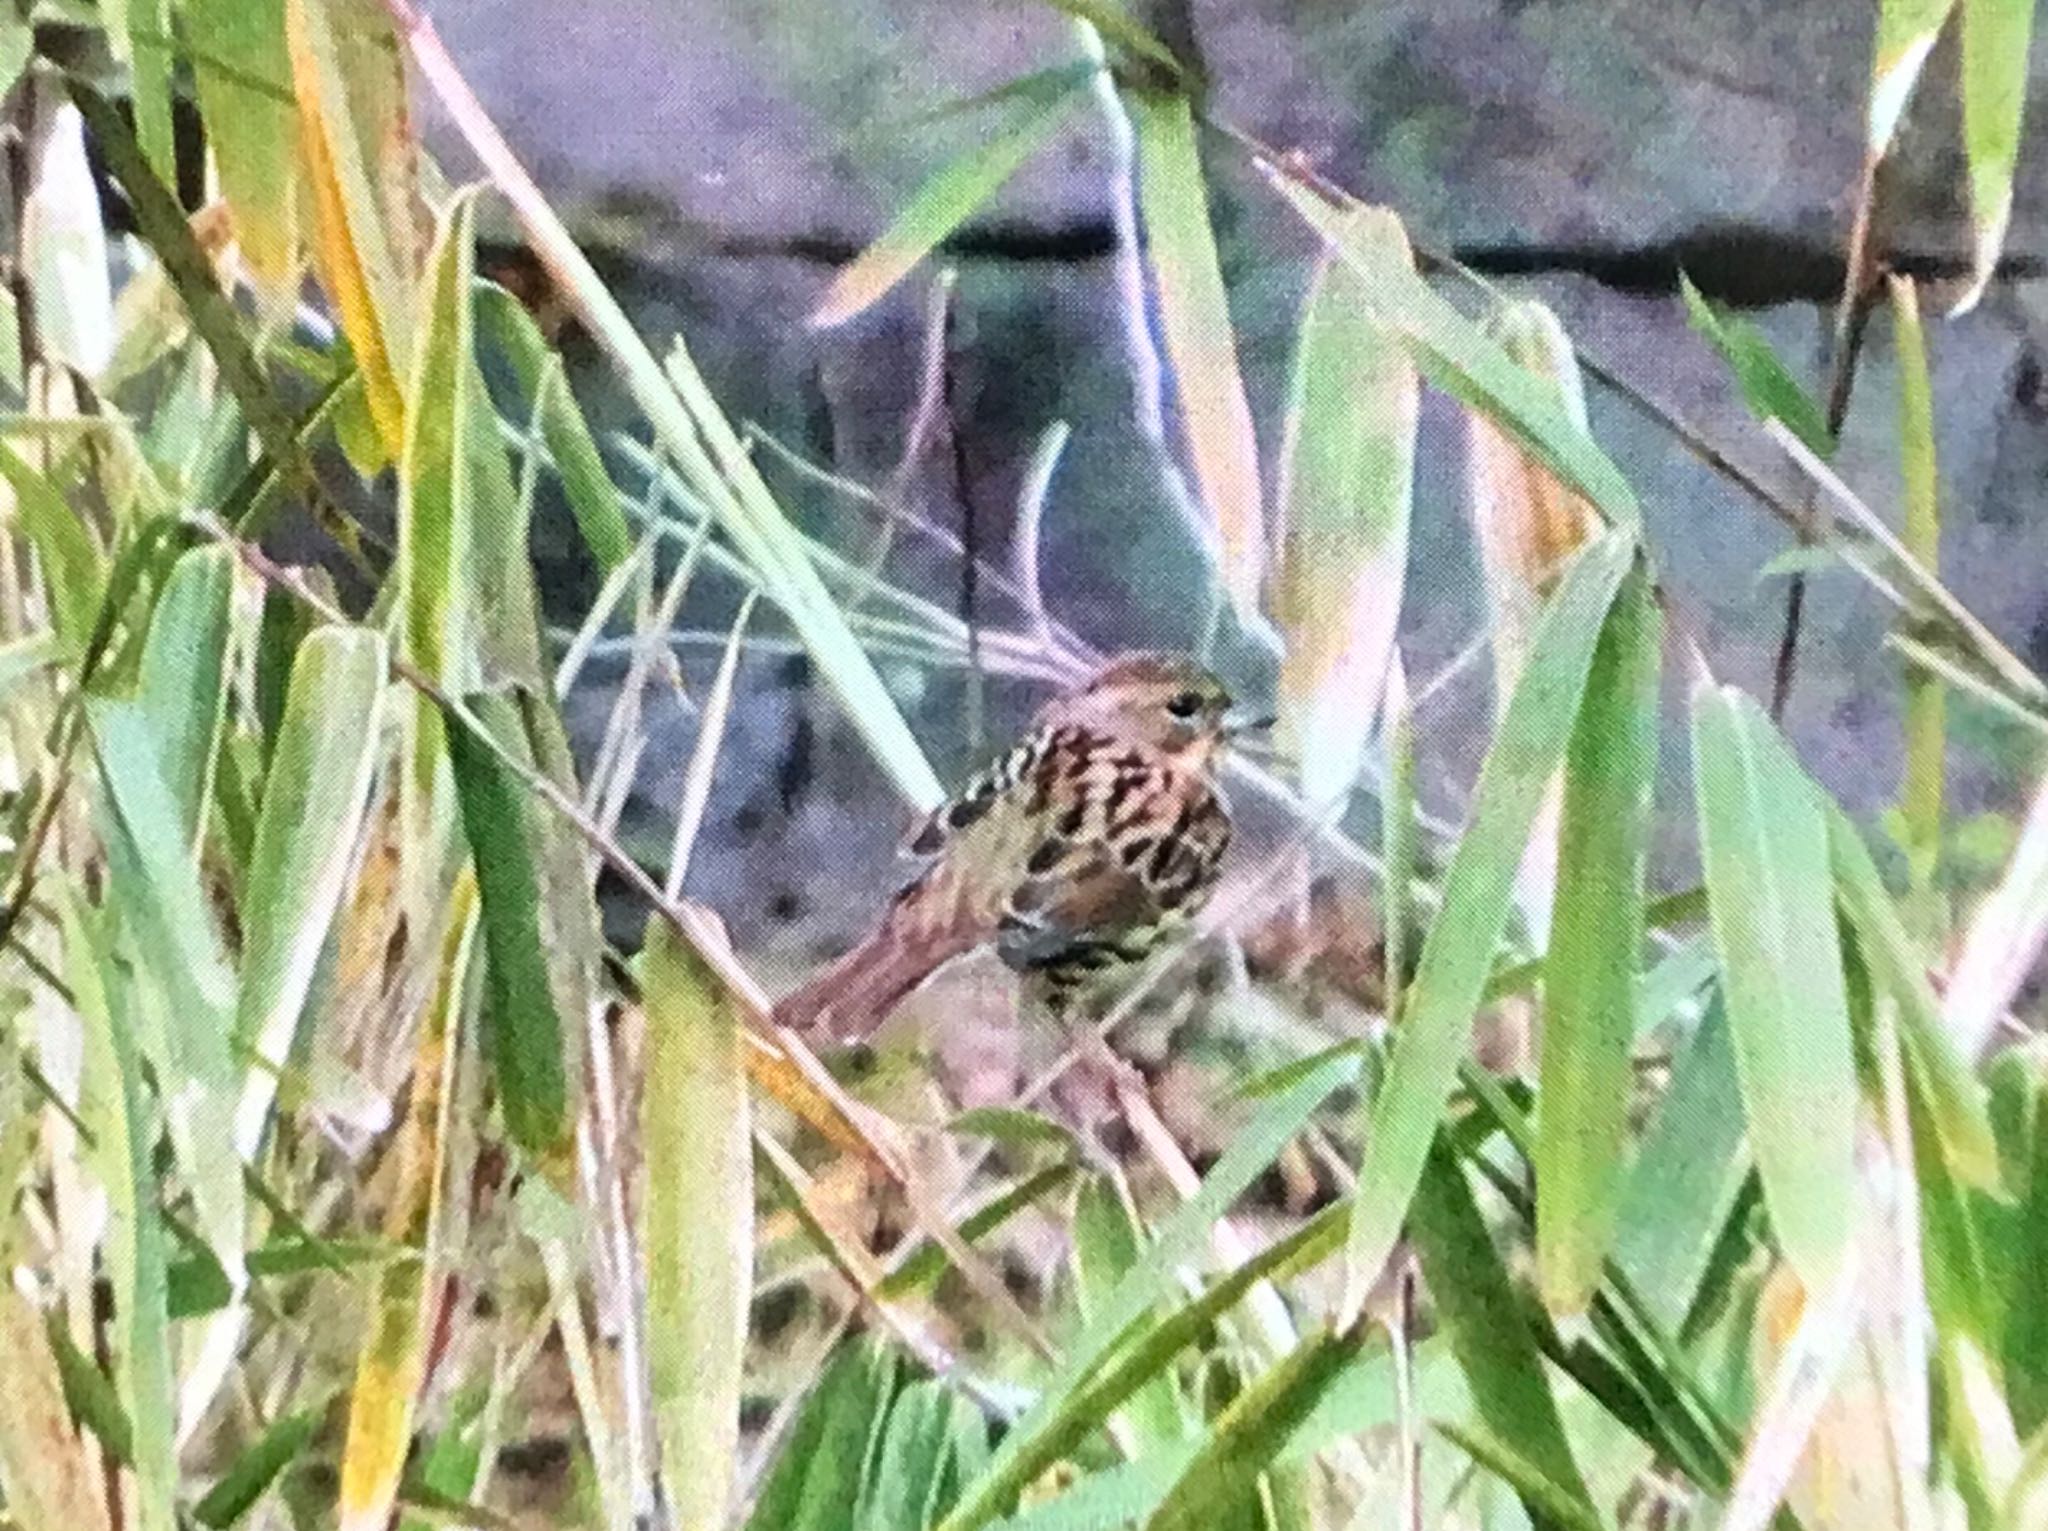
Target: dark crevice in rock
[[1742, 265]]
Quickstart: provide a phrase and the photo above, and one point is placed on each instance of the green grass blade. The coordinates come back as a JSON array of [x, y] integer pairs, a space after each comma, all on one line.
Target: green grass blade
[[436, 507], [1763, 843], [1083, 1393], [170, 238], [1117, 25], [1767, 384], [139, 33], [587, 485], [2005, 935], [1151, 1351], [1906, 31], [701, 441], [180, 687], [1107, 1243], [1346, 492], [1687, 1177], [1250, 1433], [1596, 942], [1936, 1071], [1398, 834], [947, 199], [241, 74], [1476, 1305], [1464, 361], [74, 570], [816, 1481], [112, 1105], [1921, 790], [1457, 955], [249, 1477], [183, 973], [523, 1036], [698, 1221], [315, 798], [1194, 313], [1996, 34]]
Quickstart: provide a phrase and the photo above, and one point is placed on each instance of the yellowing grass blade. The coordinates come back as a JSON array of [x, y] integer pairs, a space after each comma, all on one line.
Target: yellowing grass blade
[[698, 1229], [392, 1363], [243, 78], [1194, 311], [1996, 34], [356, 133], [1528, 523], [1346, 492], [1459, 357], [952, 195]]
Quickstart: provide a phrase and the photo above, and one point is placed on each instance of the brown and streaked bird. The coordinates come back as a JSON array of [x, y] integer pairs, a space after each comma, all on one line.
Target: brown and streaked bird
[[1082, 849]]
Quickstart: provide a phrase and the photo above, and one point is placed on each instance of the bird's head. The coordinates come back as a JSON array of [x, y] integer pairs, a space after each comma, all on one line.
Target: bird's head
[[1163, 700]]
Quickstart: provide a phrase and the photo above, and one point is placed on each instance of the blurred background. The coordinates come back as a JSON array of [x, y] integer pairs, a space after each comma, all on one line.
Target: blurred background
[[722, 160]]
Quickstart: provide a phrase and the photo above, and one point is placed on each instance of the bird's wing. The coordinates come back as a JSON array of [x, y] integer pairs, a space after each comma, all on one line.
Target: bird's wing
[[982, 791], [1123, 864]]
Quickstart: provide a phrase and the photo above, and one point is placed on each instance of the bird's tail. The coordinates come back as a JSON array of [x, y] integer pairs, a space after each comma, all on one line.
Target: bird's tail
[[855, 994]]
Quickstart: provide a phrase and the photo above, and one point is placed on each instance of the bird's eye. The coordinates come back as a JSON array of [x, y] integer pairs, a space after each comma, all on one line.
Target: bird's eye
[[1186, 704]]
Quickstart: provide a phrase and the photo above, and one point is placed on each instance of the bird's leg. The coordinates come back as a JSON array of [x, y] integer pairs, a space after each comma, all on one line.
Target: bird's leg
[[1087, 1094]]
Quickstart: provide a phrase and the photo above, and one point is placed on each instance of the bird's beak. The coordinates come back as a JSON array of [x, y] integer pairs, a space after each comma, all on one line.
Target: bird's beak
[[1237, 723]]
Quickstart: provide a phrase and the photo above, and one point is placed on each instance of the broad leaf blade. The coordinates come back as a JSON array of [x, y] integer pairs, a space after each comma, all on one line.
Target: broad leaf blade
[[1475, 1303], [524, 1032], [1251, 1432], [1460, 358], [74, 569], [242, 75], [112, 1105], [184, 972], [698, 1223], [1996, 34], [1345, 496], [1763, 842], [952, 195], [180, 686], [316, 796], [1595, 945], [1768, 386], [1688, 1176], [1906, 30], [1458, 953], [1194, 312]]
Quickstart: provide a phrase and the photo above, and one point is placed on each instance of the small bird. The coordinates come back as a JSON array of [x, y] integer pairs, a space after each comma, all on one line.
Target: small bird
[[1083, 848]]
